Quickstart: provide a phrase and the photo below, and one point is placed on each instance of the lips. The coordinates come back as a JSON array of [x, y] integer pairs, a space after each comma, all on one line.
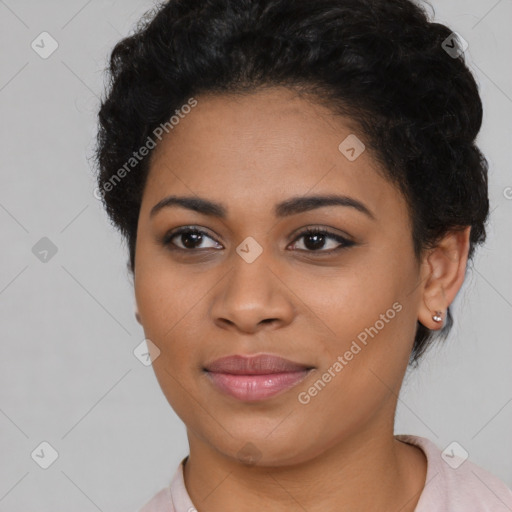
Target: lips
[[262, 364], [253, 378]]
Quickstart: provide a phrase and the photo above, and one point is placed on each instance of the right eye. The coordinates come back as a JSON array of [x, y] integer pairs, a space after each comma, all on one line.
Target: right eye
[[189, 236]]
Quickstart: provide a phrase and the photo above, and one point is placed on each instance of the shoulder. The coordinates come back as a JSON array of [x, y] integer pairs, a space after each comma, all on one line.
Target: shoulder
[[174, 497], [160, 502], [455, 483]]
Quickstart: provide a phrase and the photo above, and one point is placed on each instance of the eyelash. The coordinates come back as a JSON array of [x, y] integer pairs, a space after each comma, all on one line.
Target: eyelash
[[345, 243]]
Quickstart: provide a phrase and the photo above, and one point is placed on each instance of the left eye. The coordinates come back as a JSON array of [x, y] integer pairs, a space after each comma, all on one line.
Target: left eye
[[316, 238]]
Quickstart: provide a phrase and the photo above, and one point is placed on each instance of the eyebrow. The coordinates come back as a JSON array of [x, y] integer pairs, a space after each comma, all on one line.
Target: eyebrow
[[286, 208]]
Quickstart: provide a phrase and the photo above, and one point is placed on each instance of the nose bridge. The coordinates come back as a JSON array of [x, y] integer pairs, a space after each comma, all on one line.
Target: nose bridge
[[252, 294], [251, 274]]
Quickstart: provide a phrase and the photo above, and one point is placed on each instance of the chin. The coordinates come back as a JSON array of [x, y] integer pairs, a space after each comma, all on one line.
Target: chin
[[254, 447]]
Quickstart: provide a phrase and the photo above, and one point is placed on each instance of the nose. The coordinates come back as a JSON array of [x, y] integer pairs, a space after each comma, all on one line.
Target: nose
[[253, 297]]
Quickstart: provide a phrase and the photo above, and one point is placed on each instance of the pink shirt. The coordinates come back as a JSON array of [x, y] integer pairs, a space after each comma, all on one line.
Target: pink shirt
[[452, 484]]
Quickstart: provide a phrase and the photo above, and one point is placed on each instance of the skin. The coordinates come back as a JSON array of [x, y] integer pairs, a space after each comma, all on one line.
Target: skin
[[250, 152]]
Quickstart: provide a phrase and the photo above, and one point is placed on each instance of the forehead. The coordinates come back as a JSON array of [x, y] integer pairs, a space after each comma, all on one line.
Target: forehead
[[247, 150]]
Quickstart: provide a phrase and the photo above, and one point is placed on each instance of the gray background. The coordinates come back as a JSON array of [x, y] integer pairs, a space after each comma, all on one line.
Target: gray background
[[67, 369]]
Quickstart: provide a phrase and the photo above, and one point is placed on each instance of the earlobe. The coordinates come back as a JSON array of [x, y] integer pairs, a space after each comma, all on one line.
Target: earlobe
[[137, 315], [445, 267], [437, 316]]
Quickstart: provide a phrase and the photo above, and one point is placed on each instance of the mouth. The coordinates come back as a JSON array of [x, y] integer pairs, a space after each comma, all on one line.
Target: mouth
[[255, 378]]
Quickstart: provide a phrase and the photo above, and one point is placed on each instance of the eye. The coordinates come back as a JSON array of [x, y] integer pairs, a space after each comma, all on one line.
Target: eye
[[190, 238], [316, 238]]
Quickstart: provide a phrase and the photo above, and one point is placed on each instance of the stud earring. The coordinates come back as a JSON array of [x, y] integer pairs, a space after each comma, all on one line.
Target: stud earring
[[438, 316]]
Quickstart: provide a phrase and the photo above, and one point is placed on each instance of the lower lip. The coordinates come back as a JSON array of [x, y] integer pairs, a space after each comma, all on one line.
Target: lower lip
[[252, 388]]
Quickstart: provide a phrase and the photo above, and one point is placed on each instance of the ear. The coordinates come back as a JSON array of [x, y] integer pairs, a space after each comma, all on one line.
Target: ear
[[443, 272], [137, 315]]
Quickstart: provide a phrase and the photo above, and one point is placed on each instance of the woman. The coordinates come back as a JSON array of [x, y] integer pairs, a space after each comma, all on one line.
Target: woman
[[300, 191]]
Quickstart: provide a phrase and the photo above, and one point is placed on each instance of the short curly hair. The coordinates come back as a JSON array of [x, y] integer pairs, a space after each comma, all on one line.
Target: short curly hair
[[400, 76]]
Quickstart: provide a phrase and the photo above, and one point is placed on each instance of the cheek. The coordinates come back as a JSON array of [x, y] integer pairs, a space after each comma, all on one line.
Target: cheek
[[355, 298], [362, 371], [164, 291], [168, 305], [367, 317]]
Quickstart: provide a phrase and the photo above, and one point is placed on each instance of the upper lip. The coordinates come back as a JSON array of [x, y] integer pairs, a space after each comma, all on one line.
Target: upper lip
[[261, 364]]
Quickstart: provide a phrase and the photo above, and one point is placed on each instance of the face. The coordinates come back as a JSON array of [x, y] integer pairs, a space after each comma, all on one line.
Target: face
[[342, 301]]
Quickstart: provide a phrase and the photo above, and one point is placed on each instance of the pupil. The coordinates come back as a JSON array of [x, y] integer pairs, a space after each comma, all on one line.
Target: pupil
[[195, 238], [318, 241]]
